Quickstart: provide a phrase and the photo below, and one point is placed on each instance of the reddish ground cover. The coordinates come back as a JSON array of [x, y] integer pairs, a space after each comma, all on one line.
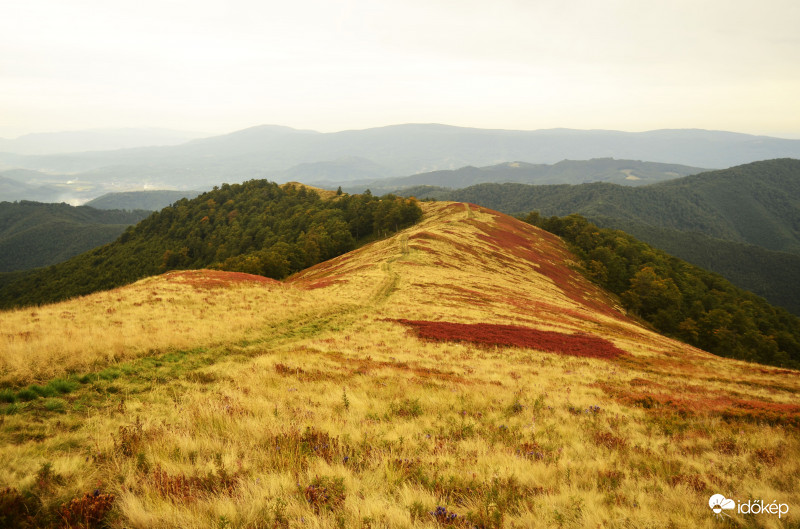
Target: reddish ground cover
[[516, 336], [548, 257], [710, 403], [322, 283], [215, 278]]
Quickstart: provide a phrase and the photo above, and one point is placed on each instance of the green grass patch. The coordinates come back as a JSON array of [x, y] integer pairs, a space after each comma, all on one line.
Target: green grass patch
[[92, 389], [7, 395], [9, 409], [61, 386], [406, 408], [27, 394], [55, 405], [42, 391], [110, 373]]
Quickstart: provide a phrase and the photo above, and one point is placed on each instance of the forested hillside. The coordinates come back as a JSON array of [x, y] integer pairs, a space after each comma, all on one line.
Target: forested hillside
[[33, 234], [680, 300], [150, 200], [256, 227], [772, 275]]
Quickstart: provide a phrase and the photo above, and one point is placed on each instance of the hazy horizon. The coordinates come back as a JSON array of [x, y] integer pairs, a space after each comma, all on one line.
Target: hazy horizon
[[216, 68], [203, 134]]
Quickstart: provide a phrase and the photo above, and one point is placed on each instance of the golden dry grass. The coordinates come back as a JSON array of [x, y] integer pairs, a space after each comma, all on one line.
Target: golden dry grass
[[306, 404], [169, 312], [323, 193]]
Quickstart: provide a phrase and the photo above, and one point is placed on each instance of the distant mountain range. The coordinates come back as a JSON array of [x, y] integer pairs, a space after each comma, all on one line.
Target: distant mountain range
[[282, 153], [94, 140], [742, 222], [623, 172]]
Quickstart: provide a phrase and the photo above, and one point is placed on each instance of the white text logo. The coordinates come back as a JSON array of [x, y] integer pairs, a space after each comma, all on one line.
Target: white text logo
[[719, 503]]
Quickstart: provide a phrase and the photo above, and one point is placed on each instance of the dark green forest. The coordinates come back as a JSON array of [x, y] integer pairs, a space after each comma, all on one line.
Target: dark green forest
[[678, 299], [257, 227], [772, 275], [33, 234]]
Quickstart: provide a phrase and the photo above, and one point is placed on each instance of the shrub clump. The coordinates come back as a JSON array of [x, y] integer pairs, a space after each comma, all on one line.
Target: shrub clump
[[325, 493], [406, 408], [187, 489], [86, 512], [16, 510]]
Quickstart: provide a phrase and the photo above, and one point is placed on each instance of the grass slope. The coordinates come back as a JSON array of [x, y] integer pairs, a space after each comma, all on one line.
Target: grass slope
[[380, 389]]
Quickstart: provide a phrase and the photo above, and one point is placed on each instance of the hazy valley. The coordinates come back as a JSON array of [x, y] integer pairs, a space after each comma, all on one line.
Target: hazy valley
[[284, 154]]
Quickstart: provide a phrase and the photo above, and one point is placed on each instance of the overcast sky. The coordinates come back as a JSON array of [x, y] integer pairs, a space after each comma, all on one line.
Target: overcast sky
[[219, 66]]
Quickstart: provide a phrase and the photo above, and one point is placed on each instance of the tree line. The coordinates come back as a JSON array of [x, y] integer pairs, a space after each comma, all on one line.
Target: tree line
[[678, 299]]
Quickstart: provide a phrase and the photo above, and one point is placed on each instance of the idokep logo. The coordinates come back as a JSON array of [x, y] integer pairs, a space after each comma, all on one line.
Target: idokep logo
[[719, 503]]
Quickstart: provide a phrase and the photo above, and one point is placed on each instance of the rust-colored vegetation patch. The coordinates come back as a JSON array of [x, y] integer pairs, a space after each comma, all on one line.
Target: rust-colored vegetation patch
[[322, 283], [546, 254], [515, 336], [204, 279], [715, 404]]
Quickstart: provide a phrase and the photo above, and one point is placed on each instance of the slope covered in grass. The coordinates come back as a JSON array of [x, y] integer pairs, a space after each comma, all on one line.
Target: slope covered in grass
[[211, 399]]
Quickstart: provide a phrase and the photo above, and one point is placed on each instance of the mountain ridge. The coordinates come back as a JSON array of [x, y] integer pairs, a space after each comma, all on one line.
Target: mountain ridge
[[627, 172], [755, 204], [90, 140], [408, 149]]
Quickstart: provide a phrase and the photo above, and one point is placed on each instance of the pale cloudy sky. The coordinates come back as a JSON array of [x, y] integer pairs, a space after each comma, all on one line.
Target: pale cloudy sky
[[219, 66]]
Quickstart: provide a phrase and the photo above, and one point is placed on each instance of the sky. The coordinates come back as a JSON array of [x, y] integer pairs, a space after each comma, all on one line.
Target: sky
[[219, 66]]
